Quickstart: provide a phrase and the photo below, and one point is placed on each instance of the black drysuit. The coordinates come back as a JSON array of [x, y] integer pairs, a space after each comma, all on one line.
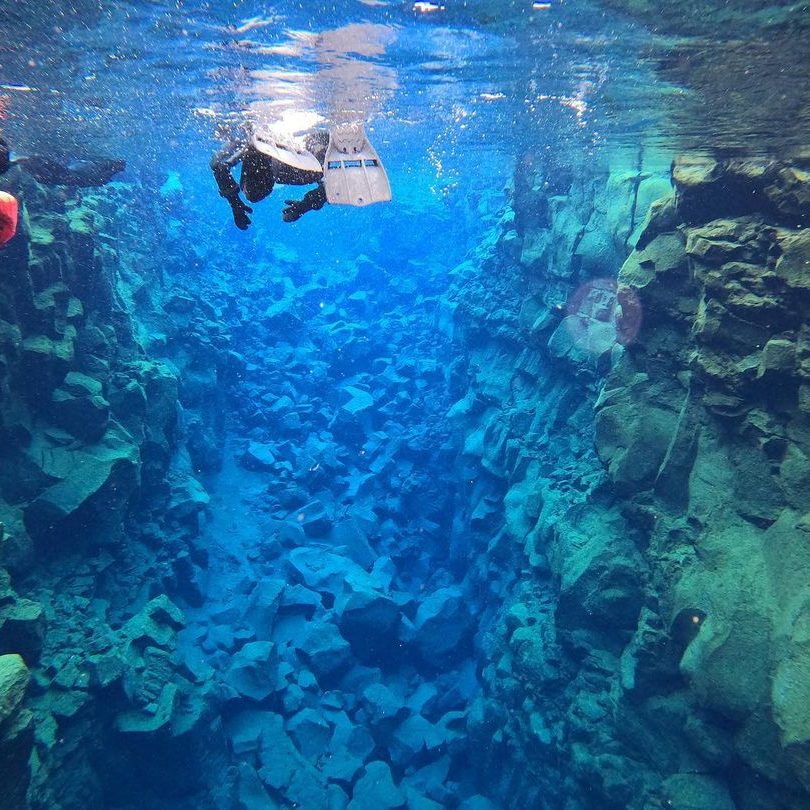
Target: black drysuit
[[260, 173]]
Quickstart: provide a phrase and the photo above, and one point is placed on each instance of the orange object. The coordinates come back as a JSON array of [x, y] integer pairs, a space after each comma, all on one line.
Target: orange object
[[9, 208]]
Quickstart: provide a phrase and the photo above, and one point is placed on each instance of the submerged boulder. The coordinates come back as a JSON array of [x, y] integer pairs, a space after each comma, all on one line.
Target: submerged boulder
[[14, 678], [442, 627], [92, 484], [375, 790], [254, 671]]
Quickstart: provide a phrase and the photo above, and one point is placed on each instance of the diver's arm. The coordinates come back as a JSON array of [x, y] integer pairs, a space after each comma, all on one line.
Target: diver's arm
[[313, 200], [221, 165]]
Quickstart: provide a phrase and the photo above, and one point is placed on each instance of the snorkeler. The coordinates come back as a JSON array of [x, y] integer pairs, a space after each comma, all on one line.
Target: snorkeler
[[341, 163], [77, 173]]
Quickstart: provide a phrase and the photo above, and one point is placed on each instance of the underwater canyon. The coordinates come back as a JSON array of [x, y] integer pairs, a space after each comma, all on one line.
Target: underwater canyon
[[516, 518]]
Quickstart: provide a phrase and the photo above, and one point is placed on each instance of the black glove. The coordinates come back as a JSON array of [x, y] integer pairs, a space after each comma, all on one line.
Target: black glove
[[240, 212], [293, 211]]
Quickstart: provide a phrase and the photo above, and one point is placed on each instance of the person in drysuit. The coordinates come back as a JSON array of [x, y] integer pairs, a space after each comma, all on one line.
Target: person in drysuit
[[341, 164], [46, 170], [50, 172]]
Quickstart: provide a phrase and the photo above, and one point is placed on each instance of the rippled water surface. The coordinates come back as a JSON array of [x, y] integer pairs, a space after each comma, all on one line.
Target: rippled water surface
[[444, 82]]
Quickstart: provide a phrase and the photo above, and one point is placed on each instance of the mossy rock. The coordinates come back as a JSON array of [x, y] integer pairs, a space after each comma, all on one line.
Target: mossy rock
[[40, 235], [14, 677], [42, 348], [98, 477]]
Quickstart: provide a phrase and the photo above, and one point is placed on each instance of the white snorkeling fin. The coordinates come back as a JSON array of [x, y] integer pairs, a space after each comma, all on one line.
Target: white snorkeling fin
[[353, 173], [290, 160]]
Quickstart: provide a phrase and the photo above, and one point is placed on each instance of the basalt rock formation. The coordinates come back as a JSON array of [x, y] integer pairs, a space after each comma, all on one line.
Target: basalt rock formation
[[653, 652]]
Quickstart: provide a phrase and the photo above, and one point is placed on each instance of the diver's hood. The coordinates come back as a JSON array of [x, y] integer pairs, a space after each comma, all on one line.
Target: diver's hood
[[286, 153]]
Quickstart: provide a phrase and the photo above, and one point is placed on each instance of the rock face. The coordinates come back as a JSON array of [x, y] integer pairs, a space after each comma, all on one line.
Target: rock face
[[727, 490], [88, 429], [16, 731], [653, 635]]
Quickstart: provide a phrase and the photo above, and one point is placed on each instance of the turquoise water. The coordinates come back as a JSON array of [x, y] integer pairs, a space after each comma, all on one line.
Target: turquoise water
[[491, 496]]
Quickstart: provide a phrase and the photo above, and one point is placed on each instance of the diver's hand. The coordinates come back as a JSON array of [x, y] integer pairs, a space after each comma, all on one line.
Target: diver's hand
[[293, 211], [240, 212]]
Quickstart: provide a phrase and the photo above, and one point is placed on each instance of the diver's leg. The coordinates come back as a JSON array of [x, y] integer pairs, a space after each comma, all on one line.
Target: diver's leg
[[257, 178]]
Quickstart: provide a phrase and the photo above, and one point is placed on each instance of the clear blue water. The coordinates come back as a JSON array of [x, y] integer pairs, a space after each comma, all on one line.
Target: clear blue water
[[463, 103]]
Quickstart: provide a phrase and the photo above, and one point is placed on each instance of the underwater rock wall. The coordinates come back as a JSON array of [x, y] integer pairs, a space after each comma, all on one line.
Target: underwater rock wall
[[88, 430], [652, 654], [535, 319], [703, 425]]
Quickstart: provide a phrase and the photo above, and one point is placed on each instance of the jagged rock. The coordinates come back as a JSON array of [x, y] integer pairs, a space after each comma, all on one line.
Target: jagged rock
[[659, 273], [278, 755], [635, 427], [254, 671], [705, 191], [300, 601], [86, 417], [320, 570], [16, 732], [385, 707], [794, 261], [325, 650], [787, 188], [431, 779], [14, 677], [414, 738], [535, 656], [245, 729], [310, 732], [157, 623], [349, 534], [649, 664], [442, 627], [158, 716], [188, 498], [368, 619], [263, 605], [601, 573], [104, 670], [251, 793], [258, 457], [93, 483], [341, 767], [315, 519], [692, 791], [416, 801], [355, 401], [375, 790], [355, 740], [285, 771], [22, 627], [778, 358], [581, 341]]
